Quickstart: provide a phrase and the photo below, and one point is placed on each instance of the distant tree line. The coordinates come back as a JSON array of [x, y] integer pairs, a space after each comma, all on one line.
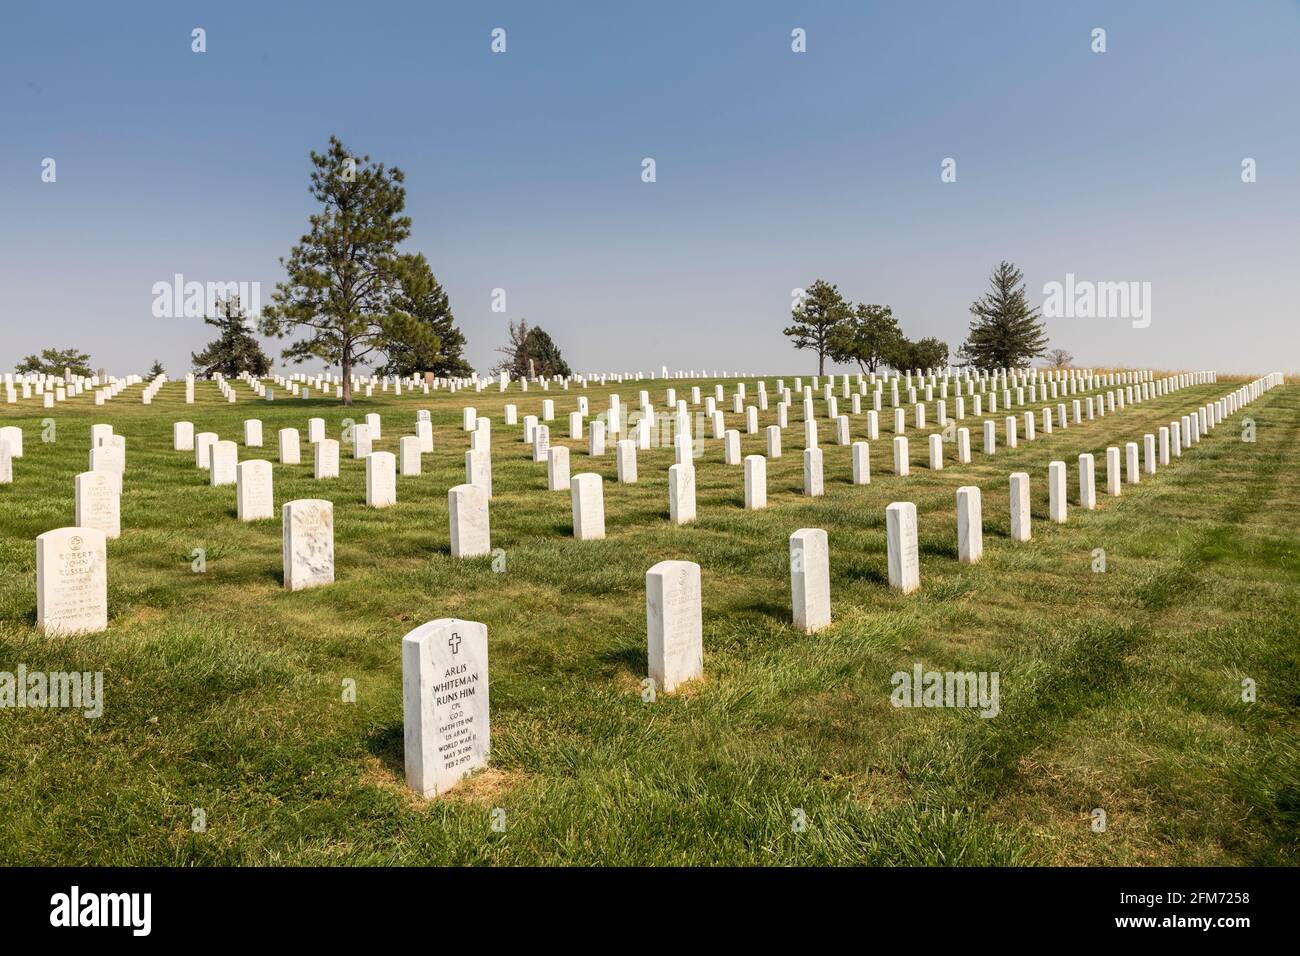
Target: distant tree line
[[1004, 332]]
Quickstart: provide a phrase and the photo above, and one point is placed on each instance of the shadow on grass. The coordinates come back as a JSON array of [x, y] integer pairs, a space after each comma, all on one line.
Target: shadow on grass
[[389, 747], [771, 610]]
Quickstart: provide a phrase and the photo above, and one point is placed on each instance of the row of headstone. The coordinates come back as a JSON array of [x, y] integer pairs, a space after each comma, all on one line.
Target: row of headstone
[[71, 578]]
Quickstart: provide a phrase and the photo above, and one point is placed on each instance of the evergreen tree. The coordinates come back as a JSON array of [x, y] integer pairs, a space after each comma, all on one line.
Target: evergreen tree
[[544, 354], [817, 319], [868, 336], [530, 352], [157, 369], [1005, 332], [344, 274], [235, 350], [56, 362], [422, 297]]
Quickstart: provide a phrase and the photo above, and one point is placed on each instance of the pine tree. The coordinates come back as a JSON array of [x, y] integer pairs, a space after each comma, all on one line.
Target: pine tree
[[422, 297], [530, 352], [817, 320], [235, 350], [1006, 332], [344, 275], [544, 354], [56, 362], [157, 369]]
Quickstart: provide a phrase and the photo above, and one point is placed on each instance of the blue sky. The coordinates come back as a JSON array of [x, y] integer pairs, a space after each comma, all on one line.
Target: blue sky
[[773, 168]]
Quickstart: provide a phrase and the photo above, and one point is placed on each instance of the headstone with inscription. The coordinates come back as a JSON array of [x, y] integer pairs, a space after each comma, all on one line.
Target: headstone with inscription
[[445, 709], [254, 499], [98, 501], [223, 456], [108, 458], [674, 624], [681, 493], [308, 543], [325, 458], [901, 545], [557, 468], [478, 469], [381, 479], [72, 581], [625, 452]]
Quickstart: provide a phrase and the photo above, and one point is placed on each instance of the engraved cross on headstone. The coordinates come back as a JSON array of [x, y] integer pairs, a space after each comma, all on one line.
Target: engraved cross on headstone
[[454, 643]]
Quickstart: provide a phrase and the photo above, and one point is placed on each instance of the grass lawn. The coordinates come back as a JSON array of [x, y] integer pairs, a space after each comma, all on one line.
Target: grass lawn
[[1119, 690]]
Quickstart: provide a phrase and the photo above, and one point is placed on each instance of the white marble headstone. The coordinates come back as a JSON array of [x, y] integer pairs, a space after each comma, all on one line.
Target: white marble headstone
[[1056, 491], [202, 443], [467, 511], [381, 479], [810, 579], [308, 543], [254, 497], [901, 544], [970, 524], [1020, 517], [681, 493], [290, 447], [587, 493], [813, 483], [409, 452], [223, 456], [674, 623], [756, 482], [14, 436], [98, 506], [325, 458], [557, 468], [72, 581], [445, 712]]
